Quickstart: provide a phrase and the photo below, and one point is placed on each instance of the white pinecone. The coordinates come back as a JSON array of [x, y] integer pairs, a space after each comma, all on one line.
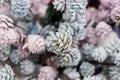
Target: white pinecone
[[6, 73], [20, 8], [59, 5], [79, 30], [117, 59], [114, 73], [87, 69], [87, 48], [27, 67], [15, 58], [99, 54], [65, 27], [75, 11], [4, 52], [113, 47], [47, 30], [72, 74], [70, 57], [58, 42]]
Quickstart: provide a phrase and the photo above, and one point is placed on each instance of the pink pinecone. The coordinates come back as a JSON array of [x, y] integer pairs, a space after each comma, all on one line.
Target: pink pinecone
[[102, 29], [90, 35], [6, 22], [35, 44], [8, 33], [47, 73], [115, 14]]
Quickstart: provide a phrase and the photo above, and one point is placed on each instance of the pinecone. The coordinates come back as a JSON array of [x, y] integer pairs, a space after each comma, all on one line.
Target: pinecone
[[70, 57], [59, 5], [35, 44], [47, 73], [115, 14], [4, 52], [6, 73], [20, 8], [27, 67], [58, 42], [6, 22], [15, 58], [87, 69]]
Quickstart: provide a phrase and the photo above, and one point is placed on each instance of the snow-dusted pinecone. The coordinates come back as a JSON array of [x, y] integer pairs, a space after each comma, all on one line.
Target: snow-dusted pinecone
[[4, 52], [115, 14], [79, 30], [69, 57], [58, 42], [65, 27], [75, 11], [20, 8], [113, 47], [27, 67], [114, 73], [35, 44], [99, 54], [47, 30], [72, 74], [6, 73], [59, 5], [15, 58], [87, 48], [87, 69]]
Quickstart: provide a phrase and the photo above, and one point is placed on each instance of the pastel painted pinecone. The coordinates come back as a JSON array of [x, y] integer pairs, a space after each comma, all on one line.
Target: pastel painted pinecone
[[35, 44]]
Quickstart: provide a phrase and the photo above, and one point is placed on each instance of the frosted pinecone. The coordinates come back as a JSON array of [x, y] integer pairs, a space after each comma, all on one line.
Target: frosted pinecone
[[47, 73], [4, 52], [35, 44], [113, 47], [65, 27], [6, 73], [114, 73], [20, 8], [70, 57], [87, 69], [72, 74], [6, 22], [99, 54], [79, 30], [58, 42], [59, 5], [27, 67], [48, 30], [115, 14], [117, 58], [15, 58], [75, 11], [87, 48]]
